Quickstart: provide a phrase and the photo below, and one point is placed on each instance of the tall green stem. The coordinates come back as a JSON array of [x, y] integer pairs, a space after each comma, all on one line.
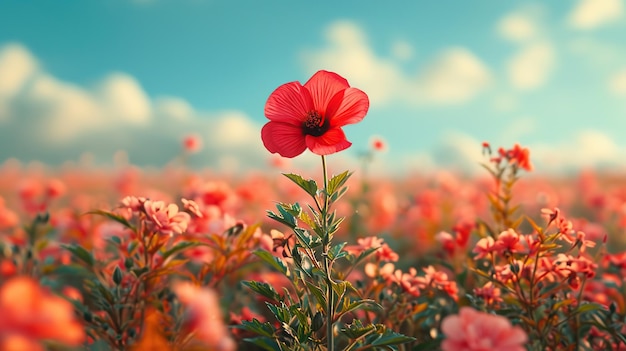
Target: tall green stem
[[330, 340]]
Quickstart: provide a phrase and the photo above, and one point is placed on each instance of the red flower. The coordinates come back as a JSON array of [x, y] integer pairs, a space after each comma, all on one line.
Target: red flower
[[311, 115]]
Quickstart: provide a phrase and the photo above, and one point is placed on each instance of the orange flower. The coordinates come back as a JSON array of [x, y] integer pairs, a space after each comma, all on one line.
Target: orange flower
[[31, 314], [204, 316]]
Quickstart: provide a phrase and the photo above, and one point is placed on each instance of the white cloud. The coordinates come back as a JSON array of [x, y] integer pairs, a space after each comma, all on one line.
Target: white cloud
[[124, 97], [17, 65], [402, 50], [531, 67], [173, 107], [585, 149], [54, 121], [591, 14], [617, 83], [455, 75], [518, 27]]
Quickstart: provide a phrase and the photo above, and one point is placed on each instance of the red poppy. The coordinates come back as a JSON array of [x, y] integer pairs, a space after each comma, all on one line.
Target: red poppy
[[311, 115]]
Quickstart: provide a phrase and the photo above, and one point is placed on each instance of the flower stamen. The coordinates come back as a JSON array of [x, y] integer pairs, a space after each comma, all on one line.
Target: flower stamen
[[315, 124]]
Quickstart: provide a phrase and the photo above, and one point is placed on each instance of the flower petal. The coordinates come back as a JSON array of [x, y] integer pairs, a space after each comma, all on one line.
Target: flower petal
[[334, 140], [289, 103], [347, 107], [323, 86], [283, 138]]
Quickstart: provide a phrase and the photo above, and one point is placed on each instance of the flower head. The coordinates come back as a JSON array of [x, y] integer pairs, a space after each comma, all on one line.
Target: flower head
[[472, 330], [311, 115], [166, 218]]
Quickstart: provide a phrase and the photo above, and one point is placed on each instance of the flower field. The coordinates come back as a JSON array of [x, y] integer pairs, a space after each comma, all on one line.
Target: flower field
[[176, 259]]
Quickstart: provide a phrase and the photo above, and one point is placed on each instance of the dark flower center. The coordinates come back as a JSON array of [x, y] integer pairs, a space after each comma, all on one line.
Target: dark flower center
[[315, 124]]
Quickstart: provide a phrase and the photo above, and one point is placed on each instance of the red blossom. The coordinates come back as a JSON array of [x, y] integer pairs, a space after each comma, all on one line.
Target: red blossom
[[310, 116]]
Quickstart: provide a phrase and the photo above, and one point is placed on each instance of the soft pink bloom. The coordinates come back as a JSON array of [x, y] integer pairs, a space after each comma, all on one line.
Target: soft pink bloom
[[204, 316], [192, 207], [311, 115], [472, 330], [133, 203], [166, 218], [31, 314], [508, 242], [484, 247]]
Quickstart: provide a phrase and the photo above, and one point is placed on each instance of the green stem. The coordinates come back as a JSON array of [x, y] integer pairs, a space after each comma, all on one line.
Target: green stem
[[330, 340]]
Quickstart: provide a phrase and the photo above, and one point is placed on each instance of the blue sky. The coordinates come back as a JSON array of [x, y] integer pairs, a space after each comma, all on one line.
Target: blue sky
[[98, 77]]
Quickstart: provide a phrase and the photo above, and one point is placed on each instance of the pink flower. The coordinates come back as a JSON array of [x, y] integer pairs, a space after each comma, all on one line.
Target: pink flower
[[472, 330], [166, 219], [204, 316], [192, 207], [311, 115], [508, 242], [484, 247]]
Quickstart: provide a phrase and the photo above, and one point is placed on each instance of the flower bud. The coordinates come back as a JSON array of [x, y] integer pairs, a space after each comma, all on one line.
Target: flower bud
[[117, 275]]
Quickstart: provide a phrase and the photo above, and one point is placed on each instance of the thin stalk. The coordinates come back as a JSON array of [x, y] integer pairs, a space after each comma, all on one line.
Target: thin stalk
[[330, 340]]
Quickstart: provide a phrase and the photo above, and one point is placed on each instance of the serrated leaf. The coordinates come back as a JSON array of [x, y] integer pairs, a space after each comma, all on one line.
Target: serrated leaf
[[279, 218], [310, 186], [273, 261], [358, 304], [305, 238], [264, 289], [337, 251], [391, 338], [265, 343], [255, 326], [337, 182], [356, 329], [80, 253], [318, 293]]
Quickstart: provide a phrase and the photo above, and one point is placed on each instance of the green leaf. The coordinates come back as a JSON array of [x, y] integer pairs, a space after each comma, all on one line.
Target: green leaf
[[264, 343], [273, 261], [337, 182], [115, 217], [318, 293], [428, 345], [588, 307], [306, 239], [263, 289], [391, 338], [178, 248], [356, 329], [336, 251], [307, 185], [254, 326], [358, 304], [80, 253]]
